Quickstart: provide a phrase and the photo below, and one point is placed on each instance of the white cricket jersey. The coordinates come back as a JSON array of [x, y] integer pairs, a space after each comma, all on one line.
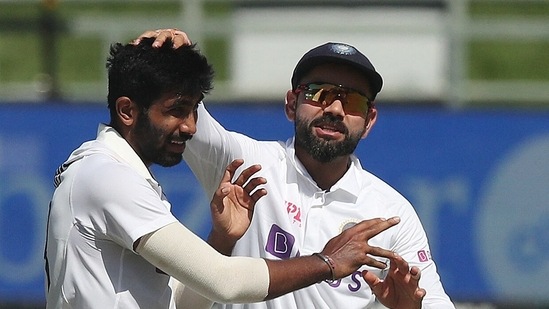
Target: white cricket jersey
[[105, 200], [297, 218]]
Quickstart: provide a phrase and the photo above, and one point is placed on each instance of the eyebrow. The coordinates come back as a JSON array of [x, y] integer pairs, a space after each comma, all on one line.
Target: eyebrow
[[181, 99]]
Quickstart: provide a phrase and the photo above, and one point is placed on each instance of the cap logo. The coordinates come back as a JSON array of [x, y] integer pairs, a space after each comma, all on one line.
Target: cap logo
[[343, 49]]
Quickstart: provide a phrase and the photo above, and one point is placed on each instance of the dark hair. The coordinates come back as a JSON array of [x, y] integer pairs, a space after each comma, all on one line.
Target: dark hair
[[144, 73]]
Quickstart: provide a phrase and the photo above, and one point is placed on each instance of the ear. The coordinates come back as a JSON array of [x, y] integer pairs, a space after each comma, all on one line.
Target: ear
[[290, 105], [370, 121], [126, 111]]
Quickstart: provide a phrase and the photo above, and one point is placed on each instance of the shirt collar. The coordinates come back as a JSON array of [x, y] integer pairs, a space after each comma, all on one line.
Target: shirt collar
[[115, 142], [352, 181]]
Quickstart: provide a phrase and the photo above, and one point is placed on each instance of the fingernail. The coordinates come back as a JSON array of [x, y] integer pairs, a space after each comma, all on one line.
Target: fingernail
[[397, 219]]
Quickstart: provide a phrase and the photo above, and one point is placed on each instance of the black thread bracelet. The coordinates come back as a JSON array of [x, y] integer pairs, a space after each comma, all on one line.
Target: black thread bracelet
[[328, 260]]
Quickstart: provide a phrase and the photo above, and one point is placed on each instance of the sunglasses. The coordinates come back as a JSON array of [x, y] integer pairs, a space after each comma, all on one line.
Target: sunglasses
[[324, 94]]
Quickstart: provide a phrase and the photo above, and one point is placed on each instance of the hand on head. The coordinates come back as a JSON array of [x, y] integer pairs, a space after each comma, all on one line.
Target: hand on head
[[178, 37]]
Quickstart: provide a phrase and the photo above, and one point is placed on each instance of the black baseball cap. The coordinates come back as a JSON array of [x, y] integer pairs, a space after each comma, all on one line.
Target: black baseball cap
[[337, 53]]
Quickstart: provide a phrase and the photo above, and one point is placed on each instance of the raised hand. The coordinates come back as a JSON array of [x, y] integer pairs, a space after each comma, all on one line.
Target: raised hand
[[400, 288], [178, 37], [233, 204]]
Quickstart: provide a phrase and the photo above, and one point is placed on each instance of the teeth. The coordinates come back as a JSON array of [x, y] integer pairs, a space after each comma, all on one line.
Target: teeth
[[329, 128]]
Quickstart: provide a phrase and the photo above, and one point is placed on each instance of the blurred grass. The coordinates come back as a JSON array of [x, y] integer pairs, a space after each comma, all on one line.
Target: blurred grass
[[505, 60], [523, 8], [78, 57]]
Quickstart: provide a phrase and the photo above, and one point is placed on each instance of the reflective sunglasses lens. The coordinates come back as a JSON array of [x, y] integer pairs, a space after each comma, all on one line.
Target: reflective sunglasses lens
[[318, 92], [325, 94], [356, 103]]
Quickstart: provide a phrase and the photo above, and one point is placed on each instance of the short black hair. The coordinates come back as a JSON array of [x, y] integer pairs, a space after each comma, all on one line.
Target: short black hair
[[145, 73]]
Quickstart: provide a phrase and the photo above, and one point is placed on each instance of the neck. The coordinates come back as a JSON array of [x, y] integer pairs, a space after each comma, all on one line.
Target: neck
[[325, 174]]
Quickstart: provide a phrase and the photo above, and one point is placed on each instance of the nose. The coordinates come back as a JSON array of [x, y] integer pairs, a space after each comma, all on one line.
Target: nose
[[335, 107], [188, 124]]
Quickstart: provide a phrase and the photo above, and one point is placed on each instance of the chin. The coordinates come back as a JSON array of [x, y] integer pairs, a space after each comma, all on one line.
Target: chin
[[171, 160]]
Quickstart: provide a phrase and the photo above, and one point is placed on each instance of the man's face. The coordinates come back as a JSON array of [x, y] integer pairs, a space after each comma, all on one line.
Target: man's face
[[321, 148], [327, 132], [160, 132]]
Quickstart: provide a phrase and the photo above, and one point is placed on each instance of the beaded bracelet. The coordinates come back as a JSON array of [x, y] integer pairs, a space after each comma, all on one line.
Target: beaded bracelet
[[328, 260]]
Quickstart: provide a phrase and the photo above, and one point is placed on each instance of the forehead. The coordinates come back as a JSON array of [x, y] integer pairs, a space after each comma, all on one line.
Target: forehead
[[339, 74], [178, 98]]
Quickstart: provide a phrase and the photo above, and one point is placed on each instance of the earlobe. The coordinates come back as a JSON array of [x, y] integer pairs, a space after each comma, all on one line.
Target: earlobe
[[125, 110]]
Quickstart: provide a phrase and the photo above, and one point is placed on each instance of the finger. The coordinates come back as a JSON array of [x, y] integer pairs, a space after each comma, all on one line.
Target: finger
[[254, 183], [146, 34], [398, 263], [180, 38], [231, 170], [415, 272], [420, 293], [370, 261], [372, 227], [373, 281], [258, 194], [246, 174], [380, 252], [162, 37]]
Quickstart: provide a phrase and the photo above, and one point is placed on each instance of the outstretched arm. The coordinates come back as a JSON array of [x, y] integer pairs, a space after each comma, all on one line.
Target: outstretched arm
[[183, 255]]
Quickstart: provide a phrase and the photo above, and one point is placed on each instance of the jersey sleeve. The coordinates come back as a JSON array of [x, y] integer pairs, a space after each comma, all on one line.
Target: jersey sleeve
[[412, 244], [213, 147], [120, 204]]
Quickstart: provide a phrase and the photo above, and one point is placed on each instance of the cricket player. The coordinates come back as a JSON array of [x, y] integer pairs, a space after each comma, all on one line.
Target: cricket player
[[318, 188]]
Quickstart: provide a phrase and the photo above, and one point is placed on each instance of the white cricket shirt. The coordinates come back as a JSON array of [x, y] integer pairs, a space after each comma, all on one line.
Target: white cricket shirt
[[298, 218], [105, 200]]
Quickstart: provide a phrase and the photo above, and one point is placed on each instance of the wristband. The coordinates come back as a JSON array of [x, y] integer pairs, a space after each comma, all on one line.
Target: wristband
[[328, 260]]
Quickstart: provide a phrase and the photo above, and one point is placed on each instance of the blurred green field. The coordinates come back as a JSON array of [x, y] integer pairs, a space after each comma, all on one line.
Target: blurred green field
[[21, 50], [78, 57]]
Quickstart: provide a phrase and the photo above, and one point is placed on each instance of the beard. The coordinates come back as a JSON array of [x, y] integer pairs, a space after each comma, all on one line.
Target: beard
[[320, 149], [152, 143]]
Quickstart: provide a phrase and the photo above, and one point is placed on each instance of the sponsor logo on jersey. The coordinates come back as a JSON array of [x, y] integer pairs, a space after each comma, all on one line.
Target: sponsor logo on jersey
[[294, 212], [279, 242], [424, 255]]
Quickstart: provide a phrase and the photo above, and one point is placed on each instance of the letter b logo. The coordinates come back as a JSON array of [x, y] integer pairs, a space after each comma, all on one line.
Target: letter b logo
[[280, 243]]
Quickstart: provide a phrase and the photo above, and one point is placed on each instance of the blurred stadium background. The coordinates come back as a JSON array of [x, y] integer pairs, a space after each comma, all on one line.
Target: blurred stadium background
[[463, 129]]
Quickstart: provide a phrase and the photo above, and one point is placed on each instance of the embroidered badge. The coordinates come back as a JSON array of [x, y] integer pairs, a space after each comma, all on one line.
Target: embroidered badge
[[343, 49]]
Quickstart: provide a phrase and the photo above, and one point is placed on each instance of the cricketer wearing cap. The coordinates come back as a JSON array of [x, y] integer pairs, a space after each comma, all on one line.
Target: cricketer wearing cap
[[317, 186]]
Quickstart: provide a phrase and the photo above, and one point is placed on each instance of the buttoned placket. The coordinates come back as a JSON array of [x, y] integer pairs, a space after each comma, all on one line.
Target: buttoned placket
[[313, 222]]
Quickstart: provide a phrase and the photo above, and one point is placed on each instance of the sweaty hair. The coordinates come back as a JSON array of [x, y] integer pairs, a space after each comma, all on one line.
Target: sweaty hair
[[144, 73]]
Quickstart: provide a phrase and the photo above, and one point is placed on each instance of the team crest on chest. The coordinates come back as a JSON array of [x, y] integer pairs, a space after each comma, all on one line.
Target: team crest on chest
[[347, 224]]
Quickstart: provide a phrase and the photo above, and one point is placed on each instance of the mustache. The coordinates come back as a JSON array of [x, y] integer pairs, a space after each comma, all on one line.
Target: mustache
[[183, 137], [332, 121]]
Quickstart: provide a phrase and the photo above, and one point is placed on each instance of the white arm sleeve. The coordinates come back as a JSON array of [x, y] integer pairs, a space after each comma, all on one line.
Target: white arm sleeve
[[180, 253], [187, 298]]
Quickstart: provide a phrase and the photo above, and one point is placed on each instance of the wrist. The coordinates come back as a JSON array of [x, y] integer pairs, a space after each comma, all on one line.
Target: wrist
[[328, 261], [221, 243]]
